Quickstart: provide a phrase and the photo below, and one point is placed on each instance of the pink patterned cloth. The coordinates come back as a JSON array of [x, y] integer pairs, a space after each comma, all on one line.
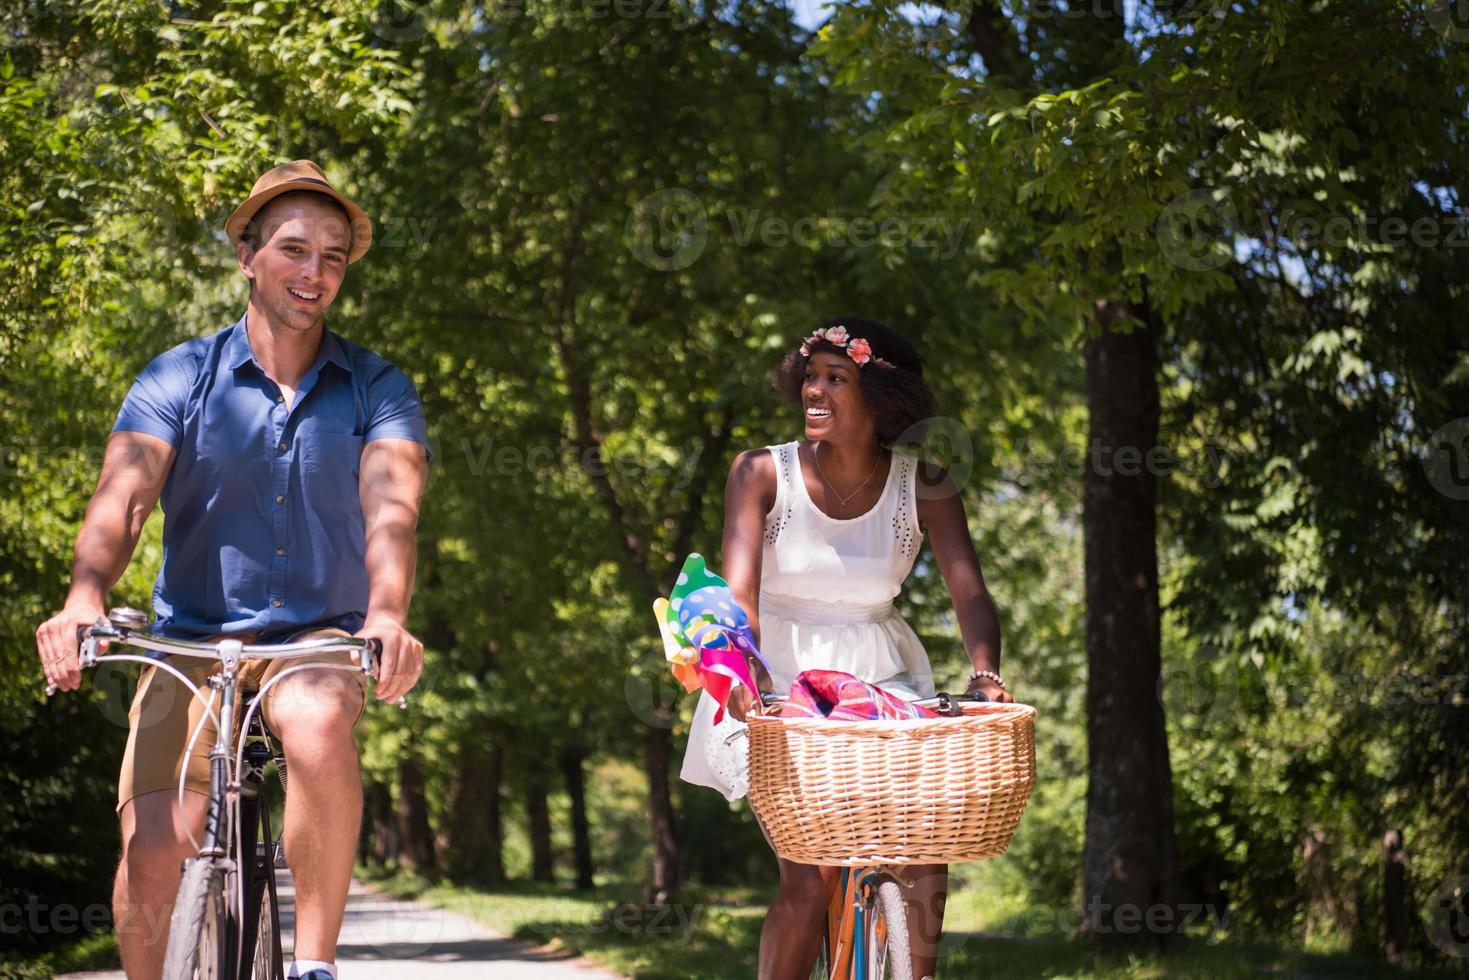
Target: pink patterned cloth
[[840, 696]]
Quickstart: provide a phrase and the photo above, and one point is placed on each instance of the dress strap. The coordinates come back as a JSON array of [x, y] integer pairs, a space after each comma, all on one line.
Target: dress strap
[[906, 533], [780, 514]]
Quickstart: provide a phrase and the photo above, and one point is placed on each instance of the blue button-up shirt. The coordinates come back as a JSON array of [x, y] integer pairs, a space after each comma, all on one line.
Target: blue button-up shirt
[[263, 529]]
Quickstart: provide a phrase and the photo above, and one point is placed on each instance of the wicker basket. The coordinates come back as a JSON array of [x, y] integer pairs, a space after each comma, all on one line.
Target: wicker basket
[[925, 791]]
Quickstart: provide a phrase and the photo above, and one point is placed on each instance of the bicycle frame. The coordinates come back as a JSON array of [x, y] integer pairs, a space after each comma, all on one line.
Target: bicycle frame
[[237, 807], [850, 915], [257, 857], [849, 919]]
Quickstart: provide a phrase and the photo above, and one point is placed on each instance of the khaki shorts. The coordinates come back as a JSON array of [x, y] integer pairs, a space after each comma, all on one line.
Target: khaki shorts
[[164, 713]]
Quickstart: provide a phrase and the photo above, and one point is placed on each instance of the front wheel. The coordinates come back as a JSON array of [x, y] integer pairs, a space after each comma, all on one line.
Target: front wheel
[[889, 952], [197, 949]]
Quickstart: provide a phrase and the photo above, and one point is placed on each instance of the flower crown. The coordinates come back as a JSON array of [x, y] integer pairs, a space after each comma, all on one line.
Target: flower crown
[[857, 348]]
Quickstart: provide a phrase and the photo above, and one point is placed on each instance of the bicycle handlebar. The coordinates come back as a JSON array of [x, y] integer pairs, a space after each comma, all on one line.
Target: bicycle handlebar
[[944, 703], [128, 632]]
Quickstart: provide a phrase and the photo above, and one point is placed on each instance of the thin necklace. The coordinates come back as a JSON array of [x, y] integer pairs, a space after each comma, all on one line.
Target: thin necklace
[[816, 457]]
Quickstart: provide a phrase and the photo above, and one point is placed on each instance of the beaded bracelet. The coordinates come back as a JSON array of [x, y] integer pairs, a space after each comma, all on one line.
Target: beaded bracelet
[[989, 674]]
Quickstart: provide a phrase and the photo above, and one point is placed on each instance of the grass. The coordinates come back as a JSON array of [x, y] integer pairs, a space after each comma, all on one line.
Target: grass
[[97, 951], [714, 934]]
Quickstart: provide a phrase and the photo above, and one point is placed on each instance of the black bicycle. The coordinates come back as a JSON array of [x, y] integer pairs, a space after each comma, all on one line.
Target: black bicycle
[[226, 917]]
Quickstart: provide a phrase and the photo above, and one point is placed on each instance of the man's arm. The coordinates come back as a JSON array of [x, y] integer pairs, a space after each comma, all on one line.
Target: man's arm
[[134, 469], [391, 481]]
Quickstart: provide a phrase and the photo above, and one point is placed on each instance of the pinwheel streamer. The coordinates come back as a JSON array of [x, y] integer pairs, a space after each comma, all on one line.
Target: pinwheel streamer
[[706, 635]]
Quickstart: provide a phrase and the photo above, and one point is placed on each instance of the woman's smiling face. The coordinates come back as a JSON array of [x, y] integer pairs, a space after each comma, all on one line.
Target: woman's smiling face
[[831, 396]]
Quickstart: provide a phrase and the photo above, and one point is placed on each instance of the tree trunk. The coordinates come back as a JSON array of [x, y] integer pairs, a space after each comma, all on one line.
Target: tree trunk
[[657, 745], [581, 834], [380, 845], [1315, 879], [416, 837], [1130, 856], [1394, 896], [539, 812], [478, 851]]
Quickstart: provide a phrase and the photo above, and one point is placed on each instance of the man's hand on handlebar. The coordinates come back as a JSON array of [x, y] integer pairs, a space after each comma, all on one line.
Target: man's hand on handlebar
[[57, 644], [401, 661]]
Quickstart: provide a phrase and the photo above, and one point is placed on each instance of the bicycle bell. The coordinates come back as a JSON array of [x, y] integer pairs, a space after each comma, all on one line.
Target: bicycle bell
[[125, 618]]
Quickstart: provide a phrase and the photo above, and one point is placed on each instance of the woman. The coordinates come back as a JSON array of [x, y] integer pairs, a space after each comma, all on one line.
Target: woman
[[818, 538]]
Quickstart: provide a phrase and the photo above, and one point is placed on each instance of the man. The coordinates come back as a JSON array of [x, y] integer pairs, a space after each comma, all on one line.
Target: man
[[290, 463]]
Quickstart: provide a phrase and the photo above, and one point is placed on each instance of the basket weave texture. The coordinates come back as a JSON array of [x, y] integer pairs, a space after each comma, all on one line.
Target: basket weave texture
[[923, 791]]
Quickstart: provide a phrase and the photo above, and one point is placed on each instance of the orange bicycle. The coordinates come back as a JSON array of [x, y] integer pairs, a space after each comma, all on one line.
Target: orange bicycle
[[872, 796]]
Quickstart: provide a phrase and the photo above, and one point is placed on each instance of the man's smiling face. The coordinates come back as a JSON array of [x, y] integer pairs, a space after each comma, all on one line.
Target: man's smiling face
[[299, 259]]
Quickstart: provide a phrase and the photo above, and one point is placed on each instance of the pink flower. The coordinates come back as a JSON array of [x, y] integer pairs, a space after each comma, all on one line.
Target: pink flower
[[837, 335], [859, 350]]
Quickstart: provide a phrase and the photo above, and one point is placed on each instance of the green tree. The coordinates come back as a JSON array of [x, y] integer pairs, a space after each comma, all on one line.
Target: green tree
[[1220, 179]]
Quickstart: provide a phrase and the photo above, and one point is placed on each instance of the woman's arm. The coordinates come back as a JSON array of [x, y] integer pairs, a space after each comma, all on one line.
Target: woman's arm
[[749, 493], [941, 515]]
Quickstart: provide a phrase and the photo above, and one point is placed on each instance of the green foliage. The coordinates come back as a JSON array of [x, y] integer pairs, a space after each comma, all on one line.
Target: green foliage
[[585, 260], [1281, 202]]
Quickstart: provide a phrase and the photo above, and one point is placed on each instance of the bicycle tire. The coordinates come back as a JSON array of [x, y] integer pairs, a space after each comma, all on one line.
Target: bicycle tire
[[197, 930], [895, 961], [265, 965], [821, 969], [259, 950]]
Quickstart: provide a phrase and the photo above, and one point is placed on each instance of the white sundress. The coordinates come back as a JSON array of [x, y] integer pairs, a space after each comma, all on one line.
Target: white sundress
[[826, 601]]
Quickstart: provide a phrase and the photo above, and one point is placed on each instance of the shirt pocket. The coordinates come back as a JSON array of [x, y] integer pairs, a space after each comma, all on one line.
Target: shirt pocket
[[329, 476]]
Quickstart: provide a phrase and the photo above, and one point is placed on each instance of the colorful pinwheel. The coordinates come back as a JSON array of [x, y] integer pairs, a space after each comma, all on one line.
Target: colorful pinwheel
[[706, 635]]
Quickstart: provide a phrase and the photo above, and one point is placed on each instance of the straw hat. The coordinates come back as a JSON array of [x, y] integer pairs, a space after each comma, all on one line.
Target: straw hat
[[299, 175]]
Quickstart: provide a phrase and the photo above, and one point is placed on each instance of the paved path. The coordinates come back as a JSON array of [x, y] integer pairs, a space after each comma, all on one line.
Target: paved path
[[384, 937]]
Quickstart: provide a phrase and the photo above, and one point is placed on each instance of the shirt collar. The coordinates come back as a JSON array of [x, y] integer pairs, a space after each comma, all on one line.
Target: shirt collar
[[238, 352], [332, 350]]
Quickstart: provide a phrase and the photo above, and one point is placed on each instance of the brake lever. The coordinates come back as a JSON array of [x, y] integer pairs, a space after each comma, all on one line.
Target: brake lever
[[367, 660], [86, 648]]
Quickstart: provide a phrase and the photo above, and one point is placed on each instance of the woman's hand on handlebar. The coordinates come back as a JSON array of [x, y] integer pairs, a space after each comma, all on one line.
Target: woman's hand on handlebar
[[740, 702], [991, 690]]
